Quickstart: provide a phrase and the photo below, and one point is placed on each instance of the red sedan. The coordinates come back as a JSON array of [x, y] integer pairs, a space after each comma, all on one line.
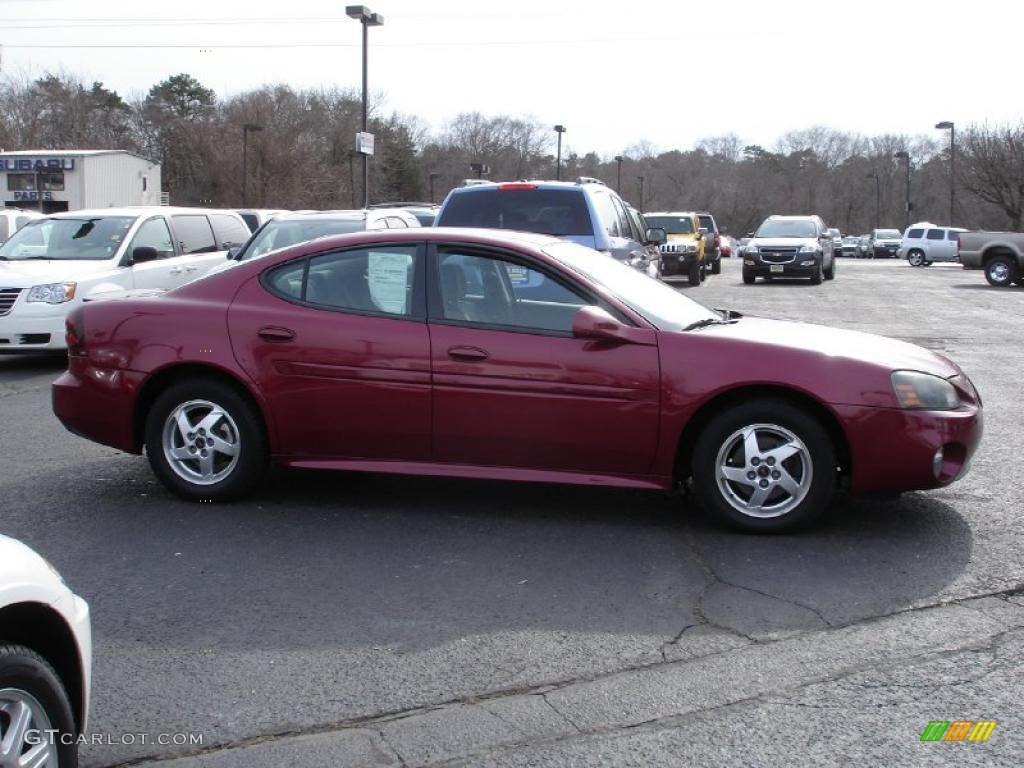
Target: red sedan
[[487, 354]]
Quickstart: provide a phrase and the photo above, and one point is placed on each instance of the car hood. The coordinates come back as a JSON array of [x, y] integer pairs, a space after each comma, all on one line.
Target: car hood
[[24, 274], [888, 241], [827, 342], [782, 242]]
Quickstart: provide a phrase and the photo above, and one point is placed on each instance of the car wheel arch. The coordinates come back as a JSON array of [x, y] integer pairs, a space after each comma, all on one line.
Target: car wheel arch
[[728, 398], [165, 377], [41, 629], [995, 251]]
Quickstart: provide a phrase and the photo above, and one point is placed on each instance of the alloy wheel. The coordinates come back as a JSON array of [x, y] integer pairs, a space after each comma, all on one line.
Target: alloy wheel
[[20, 713], [201, 442], [763, 470]]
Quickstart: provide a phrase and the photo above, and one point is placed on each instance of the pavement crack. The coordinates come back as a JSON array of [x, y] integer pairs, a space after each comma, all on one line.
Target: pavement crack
[[394, 750], [561, 714]]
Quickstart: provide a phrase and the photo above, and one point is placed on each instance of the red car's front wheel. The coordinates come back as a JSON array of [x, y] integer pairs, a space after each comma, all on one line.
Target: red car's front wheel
[[764, 466]]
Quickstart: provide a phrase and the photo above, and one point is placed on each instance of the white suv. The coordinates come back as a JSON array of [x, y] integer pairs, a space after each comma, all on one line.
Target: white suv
[[925, 243], [54, 263], [13, 219]]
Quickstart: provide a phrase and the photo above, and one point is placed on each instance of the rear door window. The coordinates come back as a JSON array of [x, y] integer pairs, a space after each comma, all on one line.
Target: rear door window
[[193, 233], [228, 230], [936, 234], [558, 212], [951, 235]]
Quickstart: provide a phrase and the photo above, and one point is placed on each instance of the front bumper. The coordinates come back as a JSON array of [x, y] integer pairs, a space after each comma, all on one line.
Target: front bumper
[[795, 268], [893, 450], [887, 251], [673, 264], [27, 331], [98, 403]]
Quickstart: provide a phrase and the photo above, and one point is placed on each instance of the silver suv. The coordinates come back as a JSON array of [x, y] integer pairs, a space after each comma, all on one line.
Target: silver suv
[[789, 246], [585, 211]]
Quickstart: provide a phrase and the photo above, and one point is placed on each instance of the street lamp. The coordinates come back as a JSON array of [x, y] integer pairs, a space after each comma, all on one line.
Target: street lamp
[[559, 129], [618, 174], [909, 206], [947, 125], [246, 129], [878, 198], [362, 14], [430, 179], [640, 179]]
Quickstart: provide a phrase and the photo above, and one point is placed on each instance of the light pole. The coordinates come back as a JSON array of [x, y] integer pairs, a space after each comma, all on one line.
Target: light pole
[[618, 174], [246, 128], [559, 129], [430, 179], [640, 179], [947, 125], [878, 198], [909, 206], [368, 19]]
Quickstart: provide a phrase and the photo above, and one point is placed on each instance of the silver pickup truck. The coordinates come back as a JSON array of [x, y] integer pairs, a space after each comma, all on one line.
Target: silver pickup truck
[[1000, 254]]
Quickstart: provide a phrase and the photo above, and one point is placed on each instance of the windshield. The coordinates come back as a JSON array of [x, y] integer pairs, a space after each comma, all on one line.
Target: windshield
[[803, 228], [280, 233], [664, 307], [888, 234], [673, 225], [557, 212], [93, 239]]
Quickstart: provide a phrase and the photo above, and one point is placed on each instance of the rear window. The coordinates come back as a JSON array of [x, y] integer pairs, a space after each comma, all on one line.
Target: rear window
[[556, 212], [915, 234], [935, 234]]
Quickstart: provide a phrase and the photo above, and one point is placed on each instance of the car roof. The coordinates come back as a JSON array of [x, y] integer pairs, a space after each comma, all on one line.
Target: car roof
[[137, 210], [583, 182], [671, 213], [795, 218]]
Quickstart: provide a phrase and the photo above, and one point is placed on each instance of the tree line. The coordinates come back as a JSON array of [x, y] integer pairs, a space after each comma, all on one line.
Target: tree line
[[302, 156]]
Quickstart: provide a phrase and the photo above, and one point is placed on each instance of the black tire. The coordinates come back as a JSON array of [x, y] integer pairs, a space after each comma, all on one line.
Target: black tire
[[748, 278], [716, 266], [928, 263], [1001, 271], [816, 277], [830, 273], [703, 271], [915, 258], [818, 460], [247, 429], [24, 671], [693, 270]]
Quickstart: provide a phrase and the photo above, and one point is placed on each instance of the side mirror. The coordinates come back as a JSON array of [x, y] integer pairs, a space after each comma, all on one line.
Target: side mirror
[[597, 324], [656, 236], [143, 253]]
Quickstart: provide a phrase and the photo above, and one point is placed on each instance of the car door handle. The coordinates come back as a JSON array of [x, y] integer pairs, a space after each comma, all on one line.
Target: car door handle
[[175, 271], [275, 333], [191, 268], [468, 354]]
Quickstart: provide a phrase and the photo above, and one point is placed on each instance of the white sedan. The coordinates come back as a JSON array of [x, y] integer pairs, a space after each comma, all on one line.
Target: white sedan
[[45, 662]]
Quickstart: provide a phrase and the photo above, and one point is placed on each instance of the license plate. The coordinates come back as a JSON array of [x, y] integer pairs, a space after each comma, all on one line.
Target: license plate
[[777, 268]]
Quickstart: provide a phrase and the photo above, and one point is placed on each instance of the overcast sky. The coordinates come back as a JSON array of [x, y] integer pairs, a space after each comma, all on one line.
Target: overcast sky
[[614, 73]]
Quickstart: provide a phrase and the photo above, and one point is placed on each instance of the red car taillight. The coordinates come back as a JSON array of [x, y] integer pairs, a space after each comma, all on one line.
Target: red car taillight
[[509, 185], [74, 333]]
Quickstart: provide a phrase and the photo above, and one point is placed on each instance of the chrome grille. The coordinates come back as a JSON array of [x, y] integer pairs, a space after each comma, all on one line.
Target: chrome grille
[[7, 298], [777, 255]]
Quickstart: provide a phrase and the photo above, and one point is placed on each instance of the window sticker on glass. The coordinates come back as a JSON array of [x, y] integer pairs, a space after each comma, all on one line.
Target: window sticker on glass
[[517, 275], [389, 275]]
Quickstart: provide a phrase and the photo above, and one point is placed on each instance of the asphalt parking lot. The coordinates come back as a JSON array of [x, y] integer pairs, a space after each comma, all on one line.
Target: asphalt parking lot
[[372, 620]]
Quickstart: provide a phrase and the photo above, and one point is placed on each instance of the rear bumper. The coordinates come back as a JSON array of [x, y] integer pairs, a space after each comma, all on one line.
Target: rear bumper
[[98, 403], [896, 450]]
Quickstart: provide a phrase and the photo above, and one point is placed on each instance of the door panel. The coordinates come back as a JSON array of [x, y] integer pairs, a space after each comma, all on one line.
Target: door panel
[[512, 387], [340, 384]]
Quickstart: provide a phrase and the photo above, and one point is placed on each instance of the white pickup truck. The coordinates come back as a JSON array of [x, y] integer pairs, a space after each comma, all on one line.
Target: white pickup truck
[[53, 264], [1000, 254]]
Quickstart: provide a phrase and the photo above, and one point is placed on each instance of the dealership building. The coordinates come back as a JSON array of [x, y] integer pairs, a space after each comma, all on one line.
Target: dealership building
[[66, 180]]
